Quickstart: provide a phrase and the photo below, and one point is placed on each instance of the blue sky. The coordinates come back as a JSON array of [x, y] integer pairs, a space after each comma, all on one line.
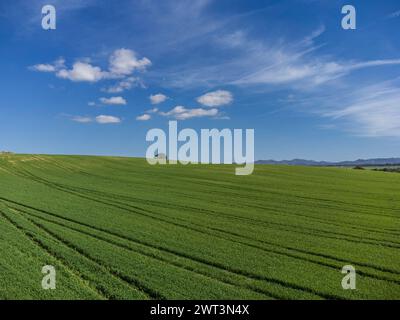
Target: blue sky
[[112, 70]]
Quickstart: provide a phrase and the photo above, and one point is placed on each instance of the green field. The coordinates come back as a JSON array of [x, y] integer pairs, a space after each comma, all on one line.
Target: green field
[[118, 228]]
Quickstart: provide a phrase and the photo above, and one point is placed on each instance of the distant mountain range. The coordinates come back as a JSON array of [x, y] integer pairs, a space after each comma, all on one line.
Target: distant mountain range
[[359, 162]]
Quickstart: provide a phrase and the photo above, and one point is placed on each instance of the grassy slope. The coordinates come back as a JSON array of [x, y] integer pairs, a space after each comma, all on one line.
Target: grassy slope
[[119, 228]]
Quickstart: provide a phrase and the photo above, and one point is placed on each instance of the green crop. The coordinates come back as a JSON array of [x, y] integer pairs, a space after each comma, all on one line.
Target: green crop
[[119, 228]]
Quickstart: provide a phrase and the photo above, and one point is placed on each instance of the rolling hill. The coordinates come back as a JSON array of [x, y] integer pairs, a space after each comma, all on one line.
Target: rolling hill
[[118, 228]]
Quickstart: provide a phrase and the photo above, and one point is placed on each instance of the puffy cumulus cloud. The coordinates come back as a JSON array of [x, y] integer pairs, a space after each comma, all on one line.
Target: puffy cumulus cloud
[[157, 98], [82, 71], [105, 119], [216, 98], [144, 117], [182, 113], [124, 62], [113, 101]]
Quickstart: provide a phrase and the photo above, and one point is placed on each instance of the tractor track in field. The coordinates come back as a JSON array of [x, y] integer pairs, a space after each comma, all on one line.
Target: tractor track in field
[[279, 252], [281, 239], [134, 283], [251, 196], [377, 268], [150, 214], [154, 203], [180, 255], [278, 226], [36, 242], [270, 210], [226, 185], [266, 293], [117, 204], [230, 186], [389, 243], [221, 267], [212, 264]]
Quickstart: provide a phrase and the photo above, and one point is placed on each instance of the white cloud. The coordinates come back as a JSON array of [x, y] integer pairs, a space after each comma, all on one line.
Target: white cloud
[[157, 98], [91, 103], [124, 62], [143, 117], [394, 14], [182, 113], [295, 65], [43, 68], [216, 98], [300, 72], [153, 110], [123, 85], [113, 101], [82, 71], [104, 119], [222, 117], [101, 119], [81, 119], [372, 111], [49, 67], [262, 62]]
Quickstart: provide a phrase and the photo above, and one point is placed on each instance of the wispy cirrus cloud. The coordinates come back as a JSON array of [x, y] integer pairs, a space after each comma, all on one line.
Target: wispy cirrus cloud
[[394, 14], [372, 111], [299, 66], [269, 62], [309, 75]]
